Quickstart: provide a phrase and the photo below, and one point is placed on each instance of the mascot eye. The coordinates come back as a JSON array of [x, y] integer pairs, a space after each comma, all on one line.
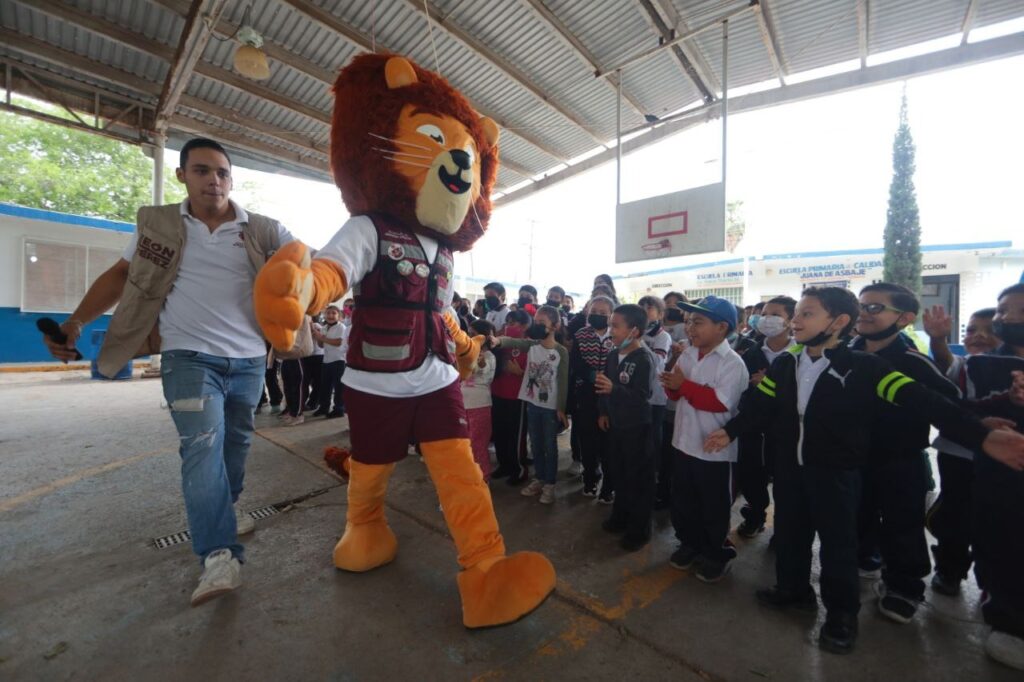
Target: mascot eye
[[433, 132]]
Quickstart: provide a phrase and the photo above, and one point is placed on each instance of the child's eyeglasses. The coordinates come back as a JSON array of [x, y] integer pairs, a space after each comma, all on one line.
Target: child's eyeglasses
[[875, 308]]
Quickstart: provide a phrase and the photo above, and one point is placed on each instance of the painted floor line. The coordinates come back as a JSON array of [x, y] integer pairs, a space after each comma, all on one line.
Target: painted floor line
[[13, 502]]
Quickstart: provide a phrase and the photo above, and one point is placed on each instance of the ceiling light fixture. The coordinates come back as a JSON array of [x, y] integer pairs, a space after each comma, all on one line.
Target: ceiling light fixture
[[250, 60]]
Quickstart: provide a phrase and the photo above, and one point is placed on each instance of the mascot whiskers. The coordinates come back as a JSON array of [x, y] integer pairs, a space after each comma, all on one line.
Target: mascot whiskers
[[415, 165]]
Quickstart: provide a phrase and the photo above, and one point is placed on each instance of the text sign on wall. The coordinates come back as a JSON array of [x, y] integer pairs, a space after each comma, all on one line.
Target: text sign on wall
[[676, 224]]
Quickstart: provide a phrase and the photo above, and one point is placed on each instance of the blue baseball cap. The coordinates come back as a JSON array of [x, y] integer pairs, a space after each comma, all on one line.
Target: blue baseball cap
[[718, 309]]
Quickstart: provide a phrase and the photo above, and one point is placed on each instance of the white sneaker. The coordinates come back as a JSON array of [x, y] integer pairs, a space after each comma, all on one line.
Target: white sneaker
[[243, 521], [532, 488], [547, 494], [575, 469], [294, 421], [221, 574], [1005, 648]]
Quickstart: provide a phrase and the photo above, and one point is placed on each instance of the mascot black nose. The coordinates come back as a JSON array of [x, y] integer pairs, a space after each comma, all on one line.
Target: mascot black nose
[[461, 159]]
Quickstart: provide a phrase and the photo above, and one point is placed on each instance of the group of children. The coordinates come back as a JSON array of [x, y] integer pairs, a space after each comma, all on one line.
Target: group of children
[[826, 398]]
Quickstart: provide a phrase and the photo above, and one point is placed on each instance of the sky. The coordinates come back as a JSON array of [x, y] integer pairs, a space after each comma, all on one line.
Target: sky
[[812, 175]]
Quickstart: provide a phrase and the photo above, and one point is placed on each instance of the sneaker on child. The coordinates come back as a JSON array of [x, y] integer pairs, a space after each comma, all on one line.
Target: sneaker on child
[[532, 488], [244, 523]]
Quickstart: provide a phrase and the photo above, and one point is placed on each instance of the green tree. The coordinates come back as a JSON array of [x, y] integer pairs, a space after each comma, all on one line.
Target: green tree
[[902, 261], [49, 166]]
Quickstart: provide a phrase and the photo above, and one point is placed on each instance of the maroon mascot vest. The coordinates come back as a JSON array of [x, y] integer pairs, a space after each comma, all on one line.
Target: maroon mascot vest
[[399, 304]]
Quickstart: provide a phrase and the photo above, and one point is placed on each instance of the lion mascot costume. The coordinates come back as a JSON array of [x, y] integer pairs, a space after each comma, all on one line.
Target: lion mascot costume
[[415, 165]]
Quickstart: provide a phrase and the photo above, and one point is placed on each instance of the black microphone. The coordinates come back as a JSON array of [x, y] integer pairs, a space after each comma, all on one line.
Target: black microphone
[[50, 327]]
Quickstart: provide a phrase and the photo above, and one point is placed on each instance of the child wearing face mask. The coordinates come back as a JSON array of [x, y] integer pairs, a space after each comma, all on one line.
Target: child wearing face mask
[[590, 348], [494, 305], [995, 383], [753, 466], [949, 517], [675, 325], [544, 389], [659, 342], [508, 413], [817, 401], [624, 393]]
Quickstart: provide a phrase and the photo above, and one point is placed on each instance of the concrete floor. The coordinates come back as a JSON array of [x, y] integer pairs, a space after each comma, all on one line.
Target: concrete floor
[[90, 478]]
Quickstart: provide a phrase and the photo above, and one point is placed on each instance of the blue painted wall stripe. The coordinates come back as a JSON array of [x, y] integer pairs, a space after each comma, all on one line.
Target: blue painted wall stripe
[[66, 218]]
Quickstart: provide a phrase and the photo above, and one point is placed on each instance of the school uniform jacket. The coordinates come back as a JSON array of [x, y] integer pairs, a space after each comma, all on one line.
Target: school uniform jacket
[[628, 404], [895, 429], [835, 430]]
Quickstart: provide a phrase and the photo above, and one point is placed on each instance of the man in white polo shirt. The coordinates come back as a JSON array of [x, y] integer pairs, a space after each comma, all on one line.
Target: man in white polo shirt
[[184, 288]]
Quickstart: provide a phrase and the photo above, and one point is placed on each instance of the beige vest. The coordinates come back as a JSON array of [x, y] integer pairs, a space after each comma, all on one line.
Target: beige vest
[[134, 328]]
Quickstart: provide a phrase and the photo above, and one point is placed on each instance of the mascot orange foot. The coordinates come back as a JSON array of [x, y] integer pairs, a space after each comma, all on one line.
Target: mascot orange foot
[[495, 588], [415, 164]]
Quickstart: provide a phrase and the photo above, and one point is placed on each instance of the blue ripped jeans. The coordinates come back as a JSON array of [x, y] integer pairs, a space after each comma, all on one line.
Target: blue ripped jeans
[[212, 401]]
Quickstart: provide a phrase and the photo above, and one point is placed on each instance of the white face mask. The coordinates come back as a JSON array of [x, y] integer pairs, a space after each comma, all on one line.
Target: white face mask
[[771, 325]]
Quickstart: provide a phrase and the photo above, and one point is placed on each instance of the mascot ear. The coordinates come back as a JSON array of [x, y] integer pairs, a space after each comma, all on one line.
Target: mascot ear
[[490, 130], [398, 73]]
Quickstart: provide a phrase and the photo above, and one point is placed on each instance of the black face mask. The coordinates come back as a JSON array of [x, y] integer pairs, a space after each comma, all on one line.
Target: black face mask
[[553, 303], [537, 331], [565, 308], [597, 321], [819, 338], [524, 301], [653, 328], [884, 334], [674, 315], [493, 302], [1011, 333]]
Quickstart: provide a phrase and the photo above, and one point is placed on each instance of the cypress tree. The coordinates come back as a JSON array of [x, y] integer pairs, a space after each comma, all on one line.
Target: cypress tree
[[902, 261]]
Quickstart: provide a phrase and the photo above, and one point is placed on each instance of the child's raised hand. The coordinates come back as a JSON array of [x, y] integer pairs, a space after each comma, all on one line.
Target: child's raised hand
[[756, 377], [602, 385], [937, 324], [672, 380], [717, 440], [495, 341], [602, 423]]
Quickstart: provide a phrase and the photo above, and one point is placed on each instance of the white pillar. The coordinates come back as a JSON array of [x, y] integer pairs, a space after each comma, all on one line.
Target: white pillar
[[158, 172]]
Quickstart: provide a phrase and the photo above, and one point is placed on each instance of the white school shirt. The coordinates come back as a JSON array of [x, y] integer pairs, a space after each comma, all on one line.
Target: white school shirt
[[497, 318], [662, 341], [335, 331], [807, 372], [723, 370], [354, 248], [209, 308], [317, 348], [770, 354]]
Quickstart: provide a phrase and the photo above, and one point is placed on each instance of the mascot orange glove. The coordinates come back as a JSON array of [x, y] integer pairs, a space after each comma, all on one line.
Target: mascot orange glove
[[467, 349], [290, 286]]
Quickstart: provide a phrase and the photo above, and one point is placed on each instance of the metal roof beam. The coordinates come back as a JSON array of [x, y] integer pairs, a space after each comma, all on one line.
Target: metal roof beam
[[147, 90], [932, 62], [968, 22], [306, 140], [332, 23], [502, 65], [275, 154], [542, 12], [770, 39], [863, 14], [652, 11], [194, 37], [140, 43]]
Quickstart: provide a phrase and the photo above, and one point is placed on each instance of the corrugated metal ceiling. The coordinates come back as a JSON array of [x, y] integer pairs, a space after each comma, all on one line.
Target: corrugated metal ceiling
[[528, 63]]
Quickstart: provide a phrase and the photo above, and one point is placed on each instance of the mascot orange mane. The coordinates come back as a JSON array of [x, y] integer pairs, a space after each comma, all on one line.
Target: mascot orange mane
[[415, 165]]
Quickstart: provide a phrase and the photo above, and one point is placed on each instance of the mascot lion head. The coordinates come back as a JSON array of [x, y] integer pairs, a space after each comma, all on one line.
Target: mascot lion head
[[404, 143]]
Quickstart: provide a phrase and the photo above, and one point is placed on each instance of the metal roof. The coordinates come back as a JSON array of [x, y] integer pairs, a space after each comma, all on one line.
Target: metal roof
[[139, 69]]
